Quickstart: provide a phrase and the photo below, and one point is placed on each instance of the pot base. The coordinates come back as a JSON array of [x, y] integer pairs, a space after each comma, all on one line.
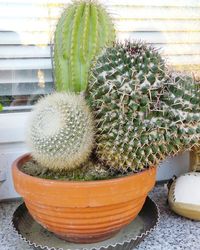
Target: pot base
[[87, 239], [128, 238]]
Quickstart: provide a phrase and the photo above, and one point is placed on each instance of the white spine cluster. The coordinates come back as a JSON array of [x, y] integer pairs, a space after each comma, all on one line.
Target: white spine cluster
[[60, 134]]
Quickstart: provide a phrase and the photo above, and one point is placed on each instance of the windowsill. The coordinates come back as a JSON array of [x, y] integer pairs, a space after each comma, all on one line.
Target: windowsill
[[14, 109]]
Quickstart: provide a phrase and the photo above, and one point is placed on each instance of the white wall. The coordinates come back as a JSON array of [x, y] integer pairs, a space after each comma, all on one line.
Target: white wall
[[12, 137], [8, 153], [174, 166]]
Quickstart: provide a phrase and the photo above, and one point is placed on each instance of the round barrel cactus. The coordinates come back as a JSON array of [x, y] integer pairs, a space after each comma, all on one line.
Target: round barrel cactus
[[82, 31], [143, 113], [60, 133]]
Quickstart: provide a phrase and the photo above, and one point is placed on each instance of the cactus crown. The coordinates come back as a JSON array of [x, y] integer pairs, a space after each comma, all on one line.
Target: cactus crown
[[142, 112], [82, 31], [60, 134]]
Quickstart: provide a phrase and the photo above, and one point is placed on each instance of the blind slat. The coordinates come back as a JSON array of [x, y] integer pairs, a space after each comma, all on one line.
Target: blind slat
[[37, 2], [166, 3], [163, 38], [24, 51], [158, 25], [25, 64], [24, 38], [25, 89], [25, 76], [16, 11], [23, 11], [132, 12], [184, 59], [27, 24], [188, 3], [179, 49]]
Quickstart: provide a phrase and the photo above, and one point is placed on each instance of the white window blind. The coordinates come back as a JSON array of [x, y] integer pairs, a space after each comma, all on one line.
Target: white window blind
[[26, 28]]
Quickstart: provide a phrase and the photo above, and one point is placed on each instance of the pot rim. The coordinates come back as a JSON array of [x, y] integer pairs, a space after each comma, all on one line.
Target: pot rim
[[16, 165]]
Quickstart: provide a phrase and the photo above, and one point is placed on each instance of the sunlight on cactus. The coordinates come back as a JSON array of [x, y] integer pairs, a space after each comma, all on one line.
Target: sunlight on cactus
[[82, 31], [143, 112]]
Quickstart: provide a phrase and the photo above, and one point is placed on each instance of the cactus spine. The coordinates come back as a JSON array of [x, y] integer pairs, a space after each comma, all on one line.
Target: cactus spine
[[82, 31], [60, 134], [143, 113]]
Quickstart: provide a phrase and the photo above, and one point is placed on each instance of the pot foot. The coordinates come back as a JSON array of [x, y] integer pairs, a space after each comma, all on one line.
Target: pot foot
[[87, 239]]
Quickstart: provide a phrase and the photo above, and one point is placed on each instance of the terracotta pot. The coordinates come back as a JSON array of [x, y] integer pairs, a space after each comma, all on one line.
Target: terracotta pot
[[83, 212]]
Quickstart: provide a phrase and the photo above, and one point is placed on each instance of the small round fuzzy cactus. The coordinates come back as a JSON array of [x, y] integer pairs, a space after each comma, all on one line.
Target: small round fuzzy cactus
[[60, 134], [143, 113], [82, 31]]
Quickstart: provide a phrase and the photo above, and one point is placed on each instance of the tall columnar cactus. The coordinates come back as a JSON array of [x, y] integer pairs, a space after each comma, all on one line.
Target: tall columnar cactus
[[143, 113], [82, 31], [60, 134]]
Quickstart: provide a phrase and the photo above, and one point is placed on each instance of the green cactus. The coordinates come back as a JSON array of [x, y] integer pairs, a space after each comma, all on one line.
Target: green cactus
[[82, 31], [60, 134], [143, 113]]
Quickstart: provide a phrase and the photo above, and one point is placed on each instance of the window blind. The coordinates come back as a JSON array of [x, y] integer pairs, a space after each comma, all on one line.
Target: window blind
[[27, 26]]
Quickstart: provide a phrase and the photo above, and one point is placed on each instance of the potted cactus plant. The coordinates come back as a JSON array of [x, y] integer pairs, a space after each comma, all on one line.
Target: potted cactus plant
[[83, 30], [94, 154]]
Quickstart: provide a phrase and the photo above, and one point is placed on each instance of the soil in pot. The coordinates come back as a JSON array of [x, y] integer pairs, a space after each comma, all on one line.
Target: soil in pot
[[89, 171]]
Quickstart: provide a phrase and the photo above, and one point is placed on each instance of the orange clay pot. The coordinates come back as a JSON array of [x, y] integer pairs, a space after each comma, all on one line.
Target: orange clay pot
[[83, 212]]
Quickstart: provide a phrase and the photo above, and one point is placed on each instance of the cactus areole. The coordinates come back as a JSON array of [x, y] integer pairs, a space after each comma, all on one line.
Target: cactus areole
[[82, 31]]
